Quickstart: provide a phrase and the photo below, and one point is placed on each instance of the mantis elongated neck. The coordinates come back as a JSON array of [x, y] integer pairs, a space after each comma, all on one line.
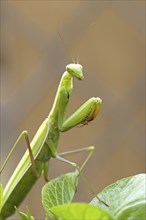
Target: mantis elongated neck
[[62, 95]]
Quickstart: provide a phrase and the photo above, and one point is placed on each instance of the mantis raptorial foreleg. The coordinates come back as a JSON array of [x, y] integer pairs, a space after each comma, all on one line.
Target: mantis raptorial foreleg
[[80, 116]]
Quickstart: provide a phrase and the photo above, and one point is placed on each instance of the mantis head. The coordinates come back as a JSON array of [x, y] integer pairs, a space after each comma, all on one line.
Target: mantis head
[[76, 70]]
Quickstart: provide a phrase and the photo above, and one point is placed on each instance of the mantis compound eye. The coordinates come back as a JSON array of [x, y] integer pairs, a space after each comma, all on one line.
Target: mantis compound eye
[[76, 70]]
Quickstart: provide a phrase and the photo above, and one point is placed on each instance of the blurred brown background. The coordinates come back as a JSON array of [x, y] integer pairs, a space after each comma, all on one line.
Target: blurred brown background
[[109, 39]]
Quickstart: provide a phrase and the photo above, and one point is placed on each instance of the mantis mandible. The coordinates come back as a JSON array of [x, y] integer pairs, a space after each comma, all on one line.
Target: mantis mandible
[[44, 144]]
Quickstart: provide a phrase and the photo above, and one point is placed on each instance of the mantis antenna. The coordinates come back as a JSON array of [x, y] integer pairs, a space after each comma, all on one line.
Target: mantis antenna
[[64, 43]]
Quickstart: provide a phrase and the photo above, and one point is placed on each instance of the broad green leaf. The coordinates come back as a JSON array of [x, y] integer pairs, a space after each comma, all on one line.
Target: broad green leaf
[[126, 198], [79, 211], [1, 195], [24, 216], [59, 191]]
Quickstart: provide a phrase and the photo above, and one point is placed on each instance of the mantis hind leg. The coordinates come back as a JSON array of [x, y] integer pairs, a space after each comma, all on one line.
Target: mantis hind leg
[[90, 149], [25, 135]]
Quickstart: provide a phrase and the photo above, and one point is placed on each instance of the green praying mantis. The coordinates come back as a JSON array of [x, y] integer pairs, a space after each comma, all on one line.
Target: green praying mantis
[[44, 144]]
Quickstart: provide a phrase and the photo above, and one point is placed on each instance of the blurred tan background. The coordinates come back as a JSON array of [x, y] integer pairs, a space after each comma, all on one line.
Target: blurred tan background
[[109, 39]]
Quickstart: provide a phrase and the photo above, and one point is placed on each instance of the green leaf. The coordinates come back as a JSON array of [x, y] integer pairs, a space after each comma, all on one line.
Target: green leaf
[[126, 198], [79, 211], [24, 216], [1, 195], [59, 191]]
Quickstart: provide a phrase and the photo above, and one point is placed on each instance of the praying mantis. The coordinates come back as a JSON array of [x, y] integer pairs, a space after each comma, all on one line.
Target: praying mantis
[[43, 147]]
